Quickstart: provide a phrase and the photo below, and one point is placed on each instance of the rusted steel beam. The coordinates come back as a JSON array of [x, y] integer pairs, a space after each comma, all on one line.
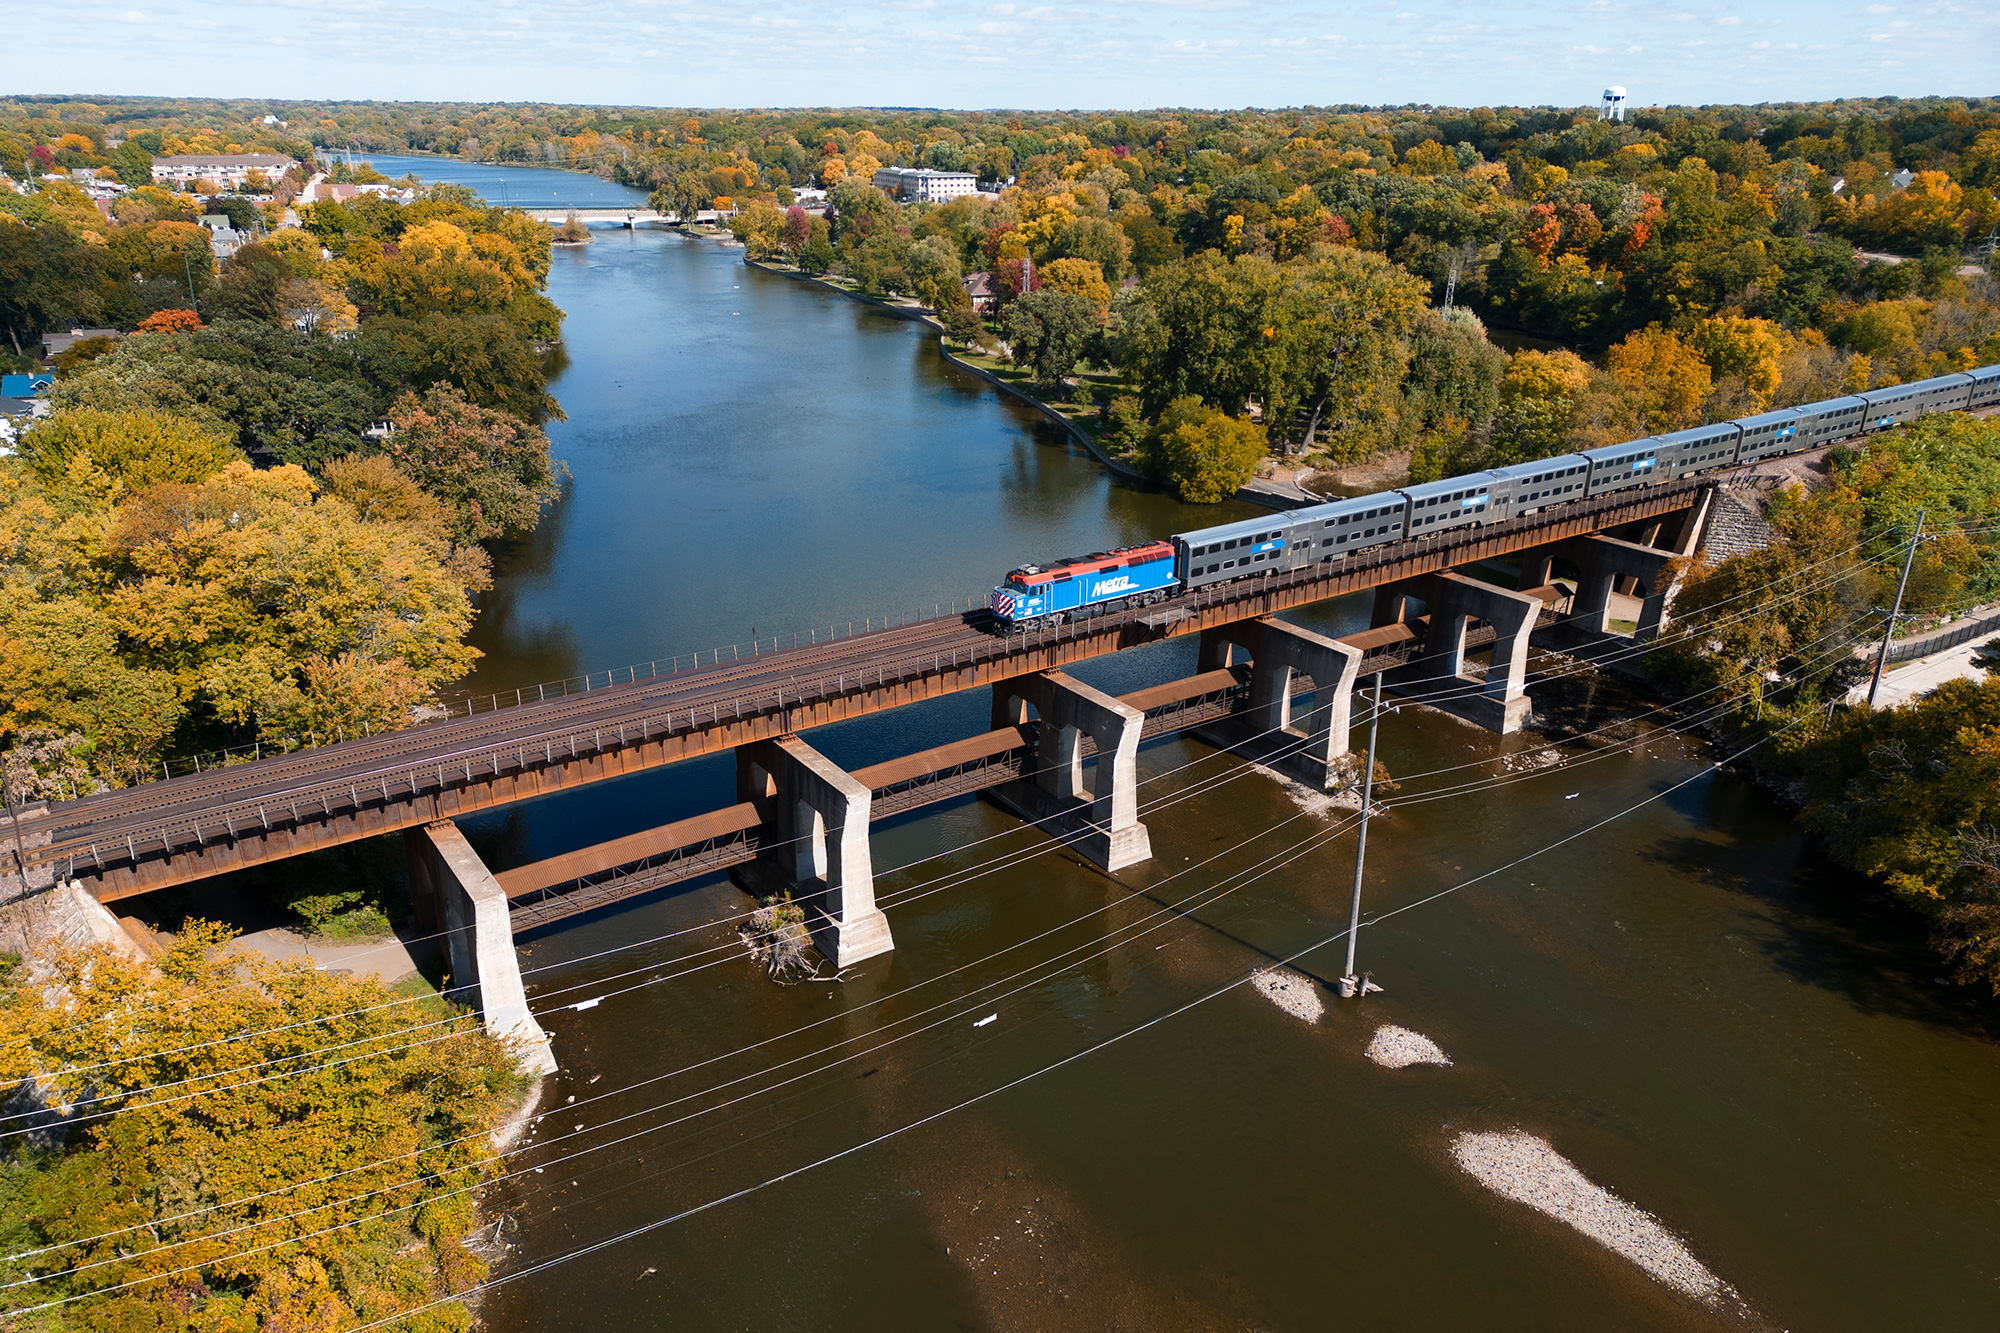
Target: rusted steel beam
[[186, 830]]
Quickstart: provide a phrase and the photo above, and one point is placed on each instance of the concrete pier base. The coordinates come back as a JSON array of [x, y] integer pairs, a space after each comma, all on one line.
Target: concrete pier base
[[1099, 819], [815, 817], [473, 909]]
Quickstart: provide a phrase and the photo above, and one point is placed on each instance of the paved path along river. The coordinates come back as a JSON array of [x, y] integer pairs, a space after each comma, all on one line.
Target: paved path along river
[[1683, 1004]]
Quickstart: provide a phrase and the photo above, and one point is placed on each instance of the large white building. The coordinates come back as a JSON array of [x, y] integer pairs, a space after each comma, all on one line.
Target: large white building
[[922, 185], [231, 169]]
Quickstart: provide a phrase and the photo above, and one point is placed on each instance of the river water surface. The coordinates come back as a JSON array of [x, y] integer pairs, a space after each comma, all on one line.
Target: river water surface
[[1682, 1002]]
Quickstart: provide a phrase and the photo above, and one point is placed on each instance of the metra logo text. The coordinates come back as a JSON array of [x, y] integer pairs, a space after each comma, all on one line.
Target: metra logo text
[[1106, 587]]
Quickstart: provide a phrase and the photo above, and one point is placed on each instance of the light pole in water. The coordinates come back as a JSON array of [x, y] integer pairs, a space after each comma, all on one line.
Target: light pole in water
[[1350, 984]]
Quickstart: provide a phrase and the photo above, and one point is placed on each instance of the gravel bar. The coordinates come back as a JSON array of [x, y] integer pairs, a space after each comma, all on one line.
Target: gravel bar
[[1291, 993], [1526, 1169], [1399, 1048]]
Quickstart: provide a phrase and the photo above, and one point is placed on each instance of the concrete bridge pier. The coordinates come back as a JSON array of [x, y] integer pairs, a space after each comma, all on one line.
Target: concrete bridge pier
[[815, 815], [1264, 734], [472, 907], [1605, 561], [1439, 678], [1100, 818]]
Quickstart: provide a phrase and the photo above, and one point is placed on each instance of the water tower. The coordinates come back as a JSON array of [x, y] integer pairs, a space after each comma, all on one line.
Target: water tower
[[1613, 107]]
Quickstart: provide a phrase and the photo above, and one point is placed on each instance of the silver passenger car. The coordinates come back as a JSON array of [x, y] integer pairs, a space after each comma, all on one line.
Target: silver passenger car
[[1231, 550], [1523, 488], [1455, 502], [1620, 467], [1341, 527]]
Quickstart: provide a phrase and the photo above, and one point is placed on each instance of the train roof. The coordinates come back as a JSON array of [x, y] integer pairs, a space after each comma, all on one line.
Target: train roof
[[1777, 416], [1604, 453], [1242, 527], [1714, 430], [1516, 470], [1896, 393], [1471, 481], [1345, 504]]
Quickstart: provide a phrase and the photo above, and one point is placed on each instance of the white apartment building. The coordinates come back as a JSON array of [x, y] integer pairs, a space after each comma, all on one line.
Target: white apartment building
[[231, 169], [922, 185]]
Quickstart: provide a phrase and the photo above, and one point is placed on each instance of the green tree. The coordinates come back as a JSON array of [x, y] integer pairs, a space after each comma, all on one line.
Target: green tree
[[47, 280], [935, 276], [1046, 333]]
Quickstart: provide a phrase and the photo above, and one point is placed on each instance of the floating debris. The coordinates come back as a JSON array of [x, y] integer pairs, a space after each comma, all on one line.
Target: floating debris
[[1399, 1048], [1526, 1169], [1290, 992]]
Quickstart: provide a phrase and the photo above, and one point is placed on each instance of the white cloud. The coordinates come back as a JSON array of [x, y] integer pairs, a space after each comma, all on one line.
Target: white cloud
[[135, 16]]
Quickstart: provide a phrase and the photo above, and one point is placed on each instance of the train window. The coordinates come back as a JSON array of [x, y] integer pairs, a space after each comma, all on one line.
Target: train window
[[1327, 541], [1328, 523], [1229, 564]]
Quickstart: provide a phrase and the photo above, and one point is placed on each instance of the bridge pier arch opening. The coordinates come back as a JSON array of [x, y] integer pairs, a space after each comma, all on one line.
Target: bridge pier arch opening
[[1439, 678], [1314, 754]]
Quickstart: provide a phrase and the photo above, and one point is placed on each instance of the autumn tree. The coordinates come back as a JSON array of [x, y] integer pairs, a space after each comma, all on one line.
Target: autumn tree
[[1201, 452], [1749, 349], [761, 228], [1078, 277], [136, 448], [183, 1200], [491, 469], [1670, 378]]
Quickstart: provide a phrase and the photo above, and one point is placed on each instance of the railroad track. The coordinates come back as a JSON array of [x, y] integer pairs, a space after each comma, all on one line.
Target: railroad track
[[403, 765], [528, 722]]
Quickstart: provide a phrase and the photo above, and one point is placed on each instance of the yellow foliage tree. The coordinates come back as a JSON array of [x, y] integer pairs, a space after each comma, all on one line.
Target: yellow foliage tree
[[162, 1215], [1078, 277], [1544, 376], [1746, 348], [1671, 378], [137, 448]]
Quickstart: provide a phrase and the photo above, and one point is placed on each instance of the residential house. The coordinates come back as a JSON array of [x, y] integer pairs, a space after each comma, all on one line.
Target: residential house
[[55, 344], [984, 291]]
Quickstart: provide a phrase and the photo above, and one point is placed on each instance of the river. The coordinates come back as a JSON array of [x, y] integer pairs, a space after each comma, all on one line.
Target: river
[[1686, 1004]]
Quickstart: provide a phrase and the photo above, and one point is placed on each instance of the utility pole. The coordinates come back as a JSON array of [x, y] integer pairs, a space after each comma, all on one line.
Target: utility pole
[[1895, 612], [1350, 984]]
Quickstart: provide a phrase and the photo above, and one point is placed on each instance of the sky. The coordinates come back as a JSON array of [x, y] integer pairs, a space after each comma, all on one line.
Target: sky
[[1019, 54]]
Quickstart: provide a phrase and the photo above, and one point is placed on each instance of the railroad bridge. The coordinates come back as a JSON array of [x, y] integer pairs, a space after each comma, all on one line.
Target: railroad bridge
[[801, 822]]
